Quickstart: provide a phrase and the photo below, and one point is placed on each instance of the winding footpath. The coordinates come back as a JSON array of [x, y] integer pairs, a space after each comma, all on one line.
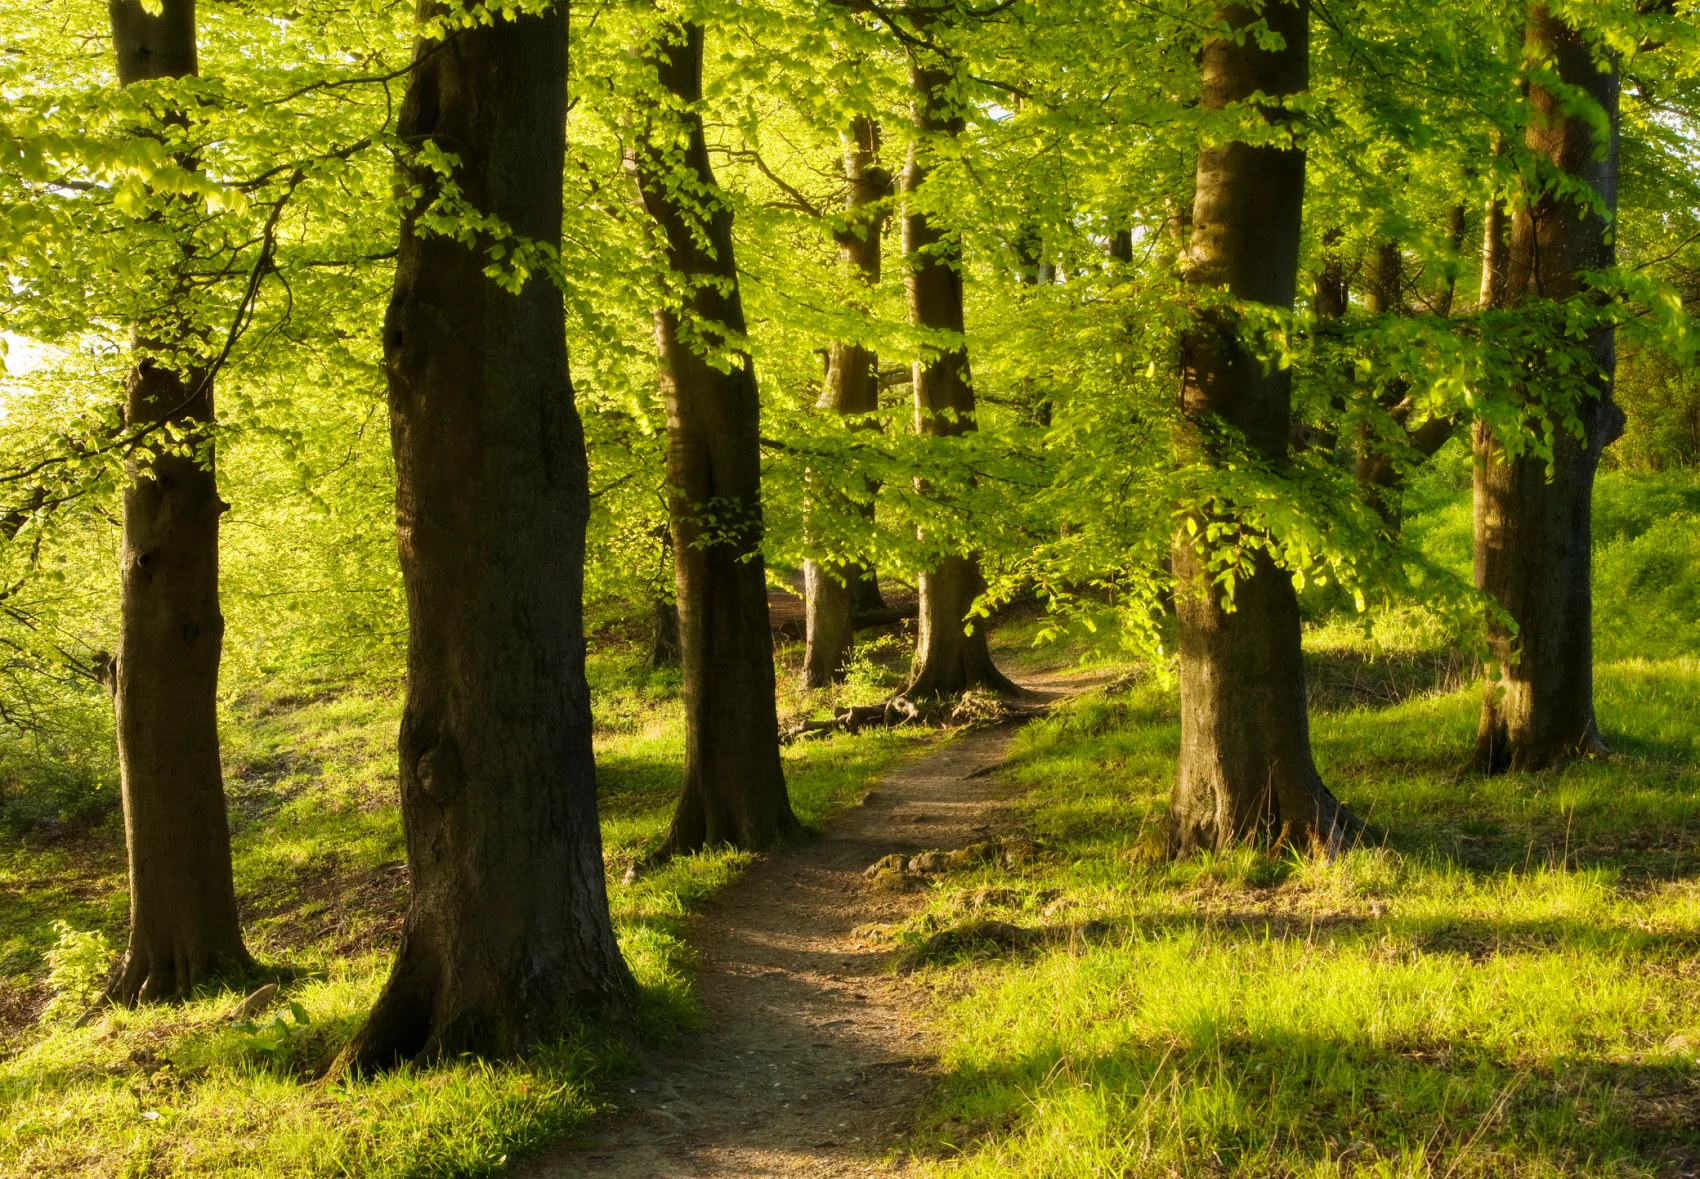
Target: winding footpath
[[811, 1055]]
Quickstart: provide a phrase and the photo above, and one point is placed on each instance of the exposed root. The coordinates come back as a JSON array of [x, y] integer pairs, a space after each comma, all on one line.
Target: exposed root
[[970, 709], [1496, 753], [143, 977]]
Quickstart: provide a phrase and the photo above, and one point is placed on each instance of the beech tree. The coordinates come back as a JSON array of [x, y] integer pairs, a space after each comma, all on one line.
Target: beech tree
[[164, 678], [835, 592], [1245, 761], [1533, 542], [951, 653], [507, 924], [734, 786], [1377, 467]]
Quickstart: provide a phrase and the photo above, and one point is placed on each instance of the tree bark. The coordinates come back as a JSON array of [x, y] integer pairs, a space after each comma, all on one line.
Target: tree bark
[[1374, 472], [664, 634], [1533, 547], [951, 654], [1455, 239], [507, 928], [734, 786], [833, 592], [1376, 475], [1495, 247], [1245, 763], [183, 923]]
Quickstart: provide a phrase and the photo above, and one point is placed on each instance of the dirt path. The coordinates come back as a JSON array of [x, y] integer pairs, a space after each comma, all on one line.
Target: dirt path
[[811, 1055]]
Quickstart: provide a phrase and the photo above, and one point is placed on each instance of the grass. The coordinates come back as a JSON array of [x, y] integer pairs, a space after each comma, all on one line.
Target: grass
[[183, 1091], [1503, 984], [1503, 981]]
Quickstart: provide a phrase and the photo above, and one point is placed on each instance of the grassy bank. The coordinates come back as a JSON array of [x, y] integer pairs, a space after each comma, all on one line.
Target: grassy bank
[[1502, 984], [1504, 980], [186, 1091]]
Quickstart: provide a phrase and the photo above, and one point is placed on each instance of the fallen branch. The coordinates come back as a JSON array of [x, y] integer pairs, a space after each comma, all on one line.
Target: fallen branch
[[796, 628], [894, 712]]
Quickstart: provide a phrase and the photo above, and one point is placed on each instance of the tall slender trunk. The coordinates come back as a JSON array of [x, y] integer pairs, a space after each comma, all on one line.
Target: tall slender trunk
[[1533, 546], [1373, 470], [952, 654], [1495, 248], [734, 786], [1331, 290], [1377, 475], [834, 592], [183, 924], [507, 927], [1245, 761], [1454, 239]]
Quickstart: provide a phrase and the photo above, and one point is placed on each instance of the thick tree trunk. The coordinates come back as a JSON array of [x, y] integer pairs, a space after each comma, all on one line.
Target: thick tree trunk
[[952, 654], [1533, 547], [833, 592], [183, 924], [1245, 762], [734, 786], [507, 928]]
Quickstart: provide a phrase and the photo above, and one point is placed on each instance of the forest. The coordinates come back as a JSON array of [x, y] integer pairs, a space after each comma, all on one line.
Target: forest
[[1067, 588]]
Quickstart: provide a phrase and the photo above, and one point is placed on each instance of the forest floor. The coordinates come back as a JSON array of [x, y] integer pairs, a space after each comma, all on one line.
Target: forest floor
[[812, 1053], [1503, 984]]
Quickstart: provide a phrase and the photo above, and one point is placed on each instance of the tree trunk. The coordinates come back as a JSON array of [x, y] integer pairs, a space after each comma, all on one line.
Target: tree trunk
[[507, 927], [1374, 472], [664, 634], [1454, 238], [952, 654], [1245, 762], [734, 786], [833, 592], [1495, 247], [1533, 546], [1378, 477], [183, 925]]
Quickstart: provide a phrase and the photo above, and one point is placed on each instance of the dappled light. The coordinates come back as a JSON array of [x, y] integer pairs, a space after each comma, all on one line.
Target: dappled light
[[1052, 588]]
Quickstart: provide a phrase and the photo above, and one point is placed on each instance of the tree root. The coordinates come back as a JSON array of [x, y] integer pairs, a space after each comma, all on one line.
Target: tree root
[[971, 708]]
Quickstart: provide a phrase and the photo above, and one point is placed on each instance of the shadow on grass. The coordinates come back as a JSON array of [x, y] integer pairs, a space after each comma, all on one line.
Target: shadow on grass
[[1208, 1100]]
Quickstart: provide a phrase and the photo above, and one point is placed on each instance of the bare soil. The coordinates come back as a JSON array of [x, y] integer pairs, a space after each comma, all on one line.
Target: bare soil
[[812, 1054]]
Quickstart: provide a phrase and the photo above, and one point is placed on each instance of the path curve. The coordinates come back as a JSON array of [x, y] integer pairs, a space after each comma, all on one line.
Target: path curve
[[811, 1054]]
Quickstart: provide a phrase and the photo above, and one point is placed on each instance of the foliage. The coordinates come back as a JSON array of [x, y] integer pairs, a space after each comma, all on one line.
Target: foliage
[[243, 223], [77, 967]]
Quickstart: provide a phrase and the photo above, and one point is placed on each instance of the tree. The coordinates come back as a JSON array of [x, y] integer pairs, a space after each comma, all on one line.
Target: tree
[[1377, 469], [835, 592], [507, 926], [951, 654], [1533, 544], [1245, 761], [734, 785], [164, 679]]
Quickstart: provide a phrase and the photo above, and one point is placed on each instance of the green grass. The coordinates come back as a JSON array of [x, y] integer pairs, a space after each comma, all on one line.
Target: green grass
[[317, 842], [1504, 982]]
